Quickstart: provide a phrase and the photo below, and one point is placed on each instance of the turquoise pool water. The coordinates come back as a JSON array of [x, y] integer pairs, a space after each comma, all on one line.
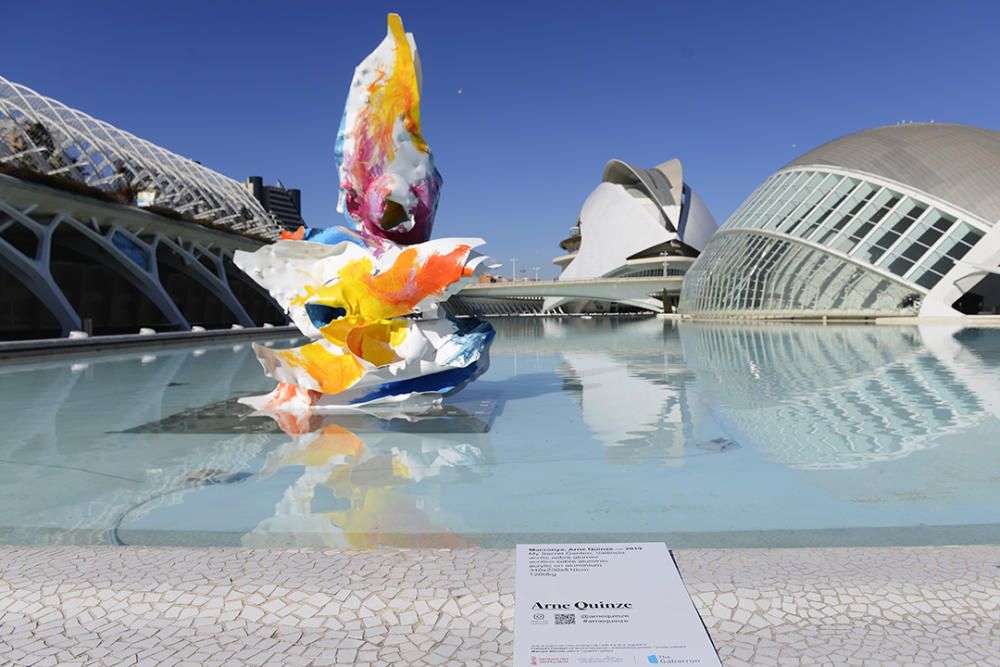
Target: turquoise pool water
[[603, 429]]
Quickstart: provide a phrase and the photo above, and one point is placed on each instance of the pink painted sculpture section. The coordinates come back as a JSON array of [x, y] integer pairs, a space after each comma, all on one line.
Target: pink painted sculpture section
[[388, 182]]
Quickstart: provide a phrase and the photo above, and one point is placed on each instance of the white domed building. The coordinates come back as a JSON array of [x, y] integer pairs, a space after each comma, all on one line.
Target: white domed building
[[891, 221]]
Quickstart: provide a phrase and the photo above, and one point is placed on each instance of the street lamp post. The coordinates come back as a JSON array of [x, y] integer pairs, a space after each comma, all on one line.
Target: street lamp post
[[536, 269], [513, 270]]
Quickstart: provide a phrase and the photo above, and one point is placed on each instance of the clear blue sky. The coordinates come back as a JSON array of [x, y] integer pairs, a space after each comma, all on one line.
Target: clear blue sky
[[549, 90]]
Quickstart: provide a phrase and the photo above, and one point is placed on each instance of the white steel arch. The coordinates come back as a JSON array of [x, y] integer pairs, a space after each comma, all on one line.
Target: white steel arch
[[45, 136]]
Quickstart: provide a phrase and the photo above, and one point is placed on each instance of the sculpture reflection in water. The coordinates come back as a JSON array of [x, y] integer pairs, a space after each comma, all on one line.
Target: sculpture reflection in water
[[368, 298], [371, 491], [898, 421]]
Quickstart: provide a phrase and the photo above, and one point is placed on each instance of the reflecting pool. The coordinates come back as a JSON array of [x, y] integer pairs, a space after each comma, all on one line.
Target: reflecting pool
[[605, 429]]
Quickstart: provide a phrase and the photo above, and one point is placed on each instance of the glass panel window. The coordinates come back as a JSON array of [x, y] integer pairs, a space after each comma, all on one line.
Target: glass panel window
[[781, 214], [753, 201], [943, 265], [859, 233], [929, 237], [760, 216], [865, 221], [811, 202], [848, 192], [820, 214], [815, 178], [894, 227], [847, 185], [757, 203], [957, 251], [858, 200], [972, 237], [949, 250], [944, 222], [877, 249], [903, 224], [888, 206], [886, 197], [915, 251], [900, 266], [928, 279], [806, 188]]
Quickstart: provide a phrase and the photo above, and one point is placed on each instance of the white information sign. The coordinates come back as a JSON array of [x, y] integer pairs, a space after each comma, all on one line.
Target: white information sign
[[605, 604]]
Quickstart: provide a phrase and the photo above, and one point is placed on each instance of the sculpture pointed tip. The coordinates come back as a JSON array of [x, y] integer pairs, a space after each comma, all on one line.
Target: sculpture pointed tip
[[395, 22]]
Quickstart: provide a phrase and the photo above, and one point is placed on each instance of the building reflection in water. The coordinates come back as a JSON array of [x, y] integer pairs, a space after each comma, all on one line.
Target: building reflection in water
[[152, 445], [72, 470], [811, 397], [819, 397], [636, 394]]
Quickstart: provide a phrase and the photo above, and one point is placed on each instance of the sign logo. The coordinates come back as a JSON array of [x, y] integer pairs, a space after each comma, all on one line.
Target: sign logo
[[653, 660]]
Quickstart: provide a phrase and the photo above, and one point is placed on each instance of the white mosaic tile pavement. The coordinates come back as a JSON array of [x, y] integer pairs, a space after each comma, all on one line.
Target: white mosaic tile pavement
[[902, 606], [163, 606]]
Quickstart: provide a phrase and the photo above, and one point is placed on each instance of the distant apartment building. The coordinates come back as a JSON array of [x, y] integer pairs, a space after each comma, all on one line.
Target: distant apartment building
[[284, 204]]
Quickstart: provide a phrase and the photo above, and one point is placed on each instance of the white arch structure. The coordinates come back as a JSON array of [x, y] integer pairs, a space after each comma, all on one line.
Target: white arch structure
[[48, 137], [62, 171]]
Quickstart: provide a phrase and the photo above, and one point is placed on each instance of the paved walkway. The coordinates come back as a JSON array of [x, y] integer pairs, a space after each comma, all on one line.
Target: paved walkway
[[129, 605]]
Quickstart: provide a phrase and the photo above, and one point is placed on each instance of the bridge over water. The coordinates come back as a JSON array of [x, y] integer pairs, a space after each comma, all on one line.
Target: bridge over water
[[642, 292]]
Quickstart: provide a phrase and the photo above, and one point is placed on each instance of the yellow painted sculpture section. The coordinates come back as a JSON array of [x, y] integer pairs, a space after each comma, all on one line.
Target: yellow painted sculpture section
[[373, 305]]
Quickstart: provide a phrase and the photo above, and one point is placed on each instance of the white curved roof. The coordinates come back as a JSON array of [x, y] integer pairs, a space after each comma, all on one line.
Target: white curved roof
[[664, 185], [956, 163], [663, 182], [48, 137]]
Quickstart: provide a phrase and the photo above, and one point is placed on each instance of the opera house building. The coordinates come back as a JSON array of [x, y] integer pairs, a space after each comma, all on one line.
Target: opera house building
[[891, 221], [636, 223]]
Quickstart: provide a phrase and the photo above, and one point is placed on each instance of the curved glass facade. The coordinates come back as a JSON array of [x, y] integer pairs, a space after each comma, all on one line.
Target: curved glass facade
[[807, 241], [787, 279]]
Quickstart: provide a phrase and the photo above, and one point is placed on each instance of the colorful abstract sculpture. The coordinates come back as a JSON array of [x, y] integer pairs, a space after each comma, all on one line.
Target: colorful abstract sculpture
[[388, 182], [356, 302], [368, 298]]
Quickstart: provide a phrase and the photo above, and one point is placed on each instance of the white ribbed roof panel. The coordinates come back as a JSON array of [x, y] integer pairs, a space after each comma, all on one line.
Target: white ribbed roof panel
[[46, 136]]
